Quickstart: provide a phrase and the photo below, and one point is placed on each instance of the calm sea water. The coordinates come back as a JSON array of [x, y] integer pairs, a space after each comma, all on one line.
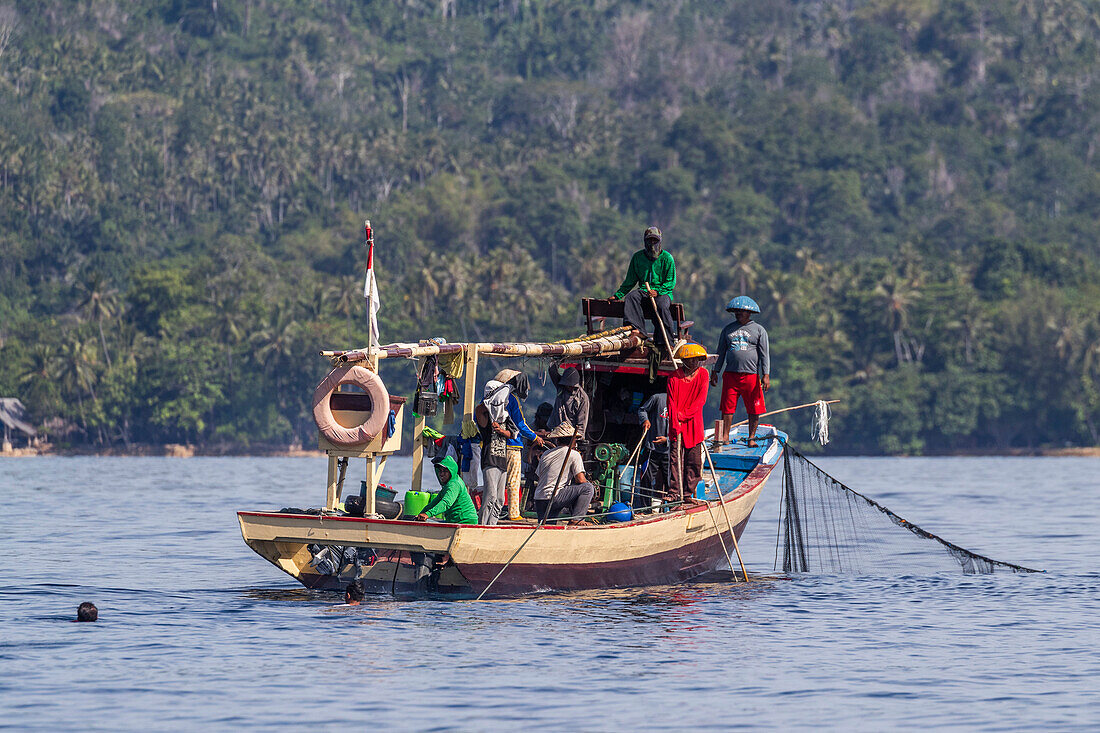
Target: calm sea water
[[197, 632]]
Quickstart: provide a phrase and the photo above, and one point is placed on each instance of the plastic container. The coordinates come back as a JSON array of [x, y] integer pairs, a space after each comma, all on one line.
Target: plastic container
[[382, 491], [415, 501], [619, 512], [626, 478]]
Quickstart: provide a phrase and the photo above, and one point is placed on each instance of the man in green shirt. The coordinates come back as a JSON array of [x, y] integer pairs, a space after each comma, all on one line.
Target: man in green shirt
[[453, 503], [655, 268]]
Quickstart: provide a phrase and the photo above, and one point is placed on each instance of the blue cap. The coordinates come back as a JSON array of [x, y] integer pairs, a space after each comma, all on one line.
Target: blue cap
[[743, 303]]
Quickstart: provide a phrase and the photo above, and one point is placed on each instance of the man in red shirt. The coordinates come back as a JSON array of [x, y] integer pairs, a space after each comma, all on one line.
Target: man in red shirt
[[687, 393]]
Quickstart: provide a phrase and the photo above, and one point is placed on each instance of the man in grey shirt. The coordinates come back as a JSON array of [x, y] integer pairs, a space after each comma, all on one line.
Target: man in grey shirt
[[653, 415], [574, 490], [743, 351]]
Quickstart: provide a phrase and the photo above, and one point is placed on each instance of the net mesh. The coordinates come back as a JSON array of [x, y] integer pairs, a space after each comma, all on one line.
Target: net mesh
[[827, 527]]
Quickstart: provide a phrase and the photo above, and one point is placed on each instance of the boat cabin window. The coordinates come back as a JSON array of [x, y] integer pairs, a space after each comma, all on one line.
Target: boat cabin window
[[614, 406]]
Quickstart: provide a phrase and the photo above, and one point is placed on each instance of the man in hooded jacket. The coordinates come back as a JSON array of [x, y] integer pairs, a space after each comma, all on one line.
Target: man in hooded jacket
[[453, 503], [572, 404], [518, 388], [653, 266]]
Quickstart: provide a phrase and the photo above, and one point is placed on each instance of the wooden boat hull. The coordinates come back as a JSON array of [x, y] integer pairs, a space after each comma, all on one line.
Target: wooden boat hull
[[660, 568], [654, 549]]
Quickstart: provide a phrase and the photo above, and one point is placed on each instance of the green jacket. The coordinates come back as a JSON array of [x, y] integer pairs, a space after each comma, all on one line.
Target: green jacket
[[453, 503], [659, 273]]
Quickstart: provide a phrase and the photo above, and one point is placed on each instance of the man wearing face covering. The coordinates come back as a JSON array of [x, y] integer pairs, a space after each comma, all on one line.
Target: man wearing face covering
[[571, 405], [656, 267]]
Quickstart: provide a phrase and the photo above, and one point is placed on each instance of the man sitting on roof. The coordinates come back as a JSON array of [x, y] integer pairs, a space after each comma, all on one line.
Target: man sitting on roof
[[453, 503], [653, 268], [573, 490]]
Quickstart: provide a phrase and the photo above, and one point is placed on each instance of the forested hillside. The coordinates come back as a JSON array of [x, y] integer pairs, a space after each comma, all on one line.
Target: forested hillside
[[909, 188]]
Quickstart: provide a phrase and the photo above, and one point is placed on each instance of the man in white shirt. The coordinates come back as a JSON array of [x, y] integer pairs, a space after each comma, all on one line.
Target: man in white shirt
[[574, 491]]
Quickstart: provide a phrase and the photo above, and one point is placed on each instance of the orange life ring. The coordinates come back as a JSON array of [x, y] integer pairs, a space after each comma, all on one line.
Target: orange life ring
[[376, 420]]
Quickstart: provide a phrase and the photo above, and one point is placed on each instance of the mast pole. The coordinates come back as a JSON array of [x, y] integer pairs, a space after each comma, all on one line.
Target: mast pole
[[369, 240]]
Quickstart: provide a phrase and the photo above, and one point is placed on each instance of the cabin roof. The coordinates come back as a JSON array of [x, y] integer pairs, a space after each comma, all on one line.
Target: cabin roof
[[14, 415]]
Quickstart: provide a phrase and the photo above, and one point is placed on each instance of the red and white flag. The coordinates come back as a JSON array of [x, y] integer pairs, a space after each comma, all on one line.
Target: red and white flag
[[370, 287]]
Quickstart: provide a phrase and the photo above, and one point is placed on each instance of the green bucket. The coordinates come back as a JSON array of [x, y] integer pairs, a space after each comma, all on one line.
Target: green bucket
[[415, 501]]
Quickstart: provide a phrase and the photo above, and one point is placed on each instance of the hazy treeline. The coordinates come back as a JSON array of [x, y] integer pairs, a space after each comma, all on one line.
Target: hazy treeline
[[909, 189]]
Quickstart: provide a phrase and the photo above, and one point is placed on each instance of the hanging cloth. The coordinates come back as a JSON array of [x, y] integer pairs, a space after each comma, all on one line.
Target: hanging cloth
[[453, 364], [496, 400], [427, 394]]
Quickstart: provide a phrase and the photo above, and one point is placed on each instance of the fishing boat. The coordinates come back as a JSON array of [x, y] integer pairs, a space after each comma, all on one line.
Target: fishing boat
[[359, 419], [327, 548]]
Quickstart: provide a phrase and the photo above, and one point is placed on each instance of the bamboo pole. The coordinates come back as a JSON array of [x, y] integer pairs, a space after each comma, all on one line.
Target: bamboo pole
[[330, 495], [661, 323], [729, 523], [603, 334], [418, 441], [469, 396], [681, 455], [776, 412], [602, 345], [634, 475]]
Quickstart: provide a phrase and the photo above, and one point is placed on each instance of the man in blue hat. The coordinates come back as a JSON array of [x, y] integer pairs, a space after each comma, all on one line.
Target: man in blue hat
[[743, 351]]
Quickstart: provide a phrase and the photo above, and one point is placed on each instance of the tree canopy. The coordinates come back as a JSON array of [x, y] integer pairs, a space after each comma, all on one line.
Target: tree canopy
[[908, 189]]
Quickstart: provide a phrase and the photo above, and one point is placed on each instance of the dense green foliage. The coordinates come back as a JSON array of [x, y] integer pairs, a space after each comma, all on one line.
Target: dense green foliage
[[908, 188]]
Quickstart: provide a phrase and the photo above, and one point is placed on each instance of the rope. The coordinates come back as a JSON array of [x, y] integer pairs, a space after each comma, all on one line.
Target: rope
[[594, 336], [819, 430]]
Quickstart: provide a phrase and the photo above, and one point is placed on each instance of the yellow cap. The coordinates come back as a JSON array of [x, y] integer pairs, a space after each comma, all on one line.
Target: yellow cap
[[690, 351]]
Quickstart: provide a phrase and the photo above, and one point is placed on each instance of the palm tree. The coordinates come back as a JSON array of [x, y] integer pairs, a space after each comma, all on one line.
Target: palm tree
[[42, 366], [347, 299], [971, 323], [229, 326], [316, 302], [1071, 330], [38, 380], [99, 301], [780, 288], [746, 270], [810, 267], [274, 345], [895, 296], [76, 372]]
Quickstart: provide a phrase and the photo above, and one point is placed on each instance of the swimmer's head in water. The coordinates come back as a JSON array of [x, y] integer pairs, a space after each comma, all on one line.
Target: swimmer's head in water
[[354, 593], [87, 612]]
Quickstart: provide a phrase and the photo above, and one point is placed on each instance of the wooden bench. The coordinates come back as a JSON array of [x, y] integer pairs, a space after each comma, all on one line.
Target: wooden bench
[[598, 309]]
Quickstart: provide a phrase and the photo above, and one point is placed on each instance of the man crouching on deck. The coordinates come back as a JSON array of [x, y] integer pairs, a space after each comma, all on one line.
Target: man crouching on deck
[[687, 393], [574, 490], [453, 503]]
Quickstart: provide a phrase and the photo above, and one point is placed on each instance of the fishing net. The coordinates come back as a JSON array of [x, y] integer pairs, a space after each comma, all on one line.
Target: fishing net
[[826, 527]]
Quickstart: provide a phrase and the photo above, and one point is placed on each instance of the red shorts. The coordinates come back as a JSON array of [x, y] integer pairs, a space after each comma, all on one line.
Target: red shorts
[[745, 386]]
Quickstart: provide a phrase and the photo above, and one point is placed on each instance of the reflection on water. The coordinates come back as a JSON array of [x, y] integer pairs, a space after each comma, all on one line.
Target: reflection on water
[[287, 595], [198, 632]]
